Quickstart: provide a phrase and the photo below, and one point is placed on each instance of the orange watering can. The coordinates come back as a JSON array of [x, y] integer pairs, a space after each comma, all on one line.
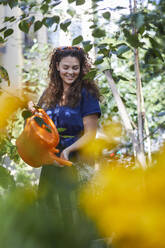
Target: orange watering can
[[37, 143]]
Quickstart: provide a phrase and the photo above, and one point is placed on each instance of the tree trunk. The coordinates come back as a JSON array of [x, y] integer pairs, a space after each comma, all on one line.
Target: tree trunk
[[122, 109], [140, 113], [140, 99]]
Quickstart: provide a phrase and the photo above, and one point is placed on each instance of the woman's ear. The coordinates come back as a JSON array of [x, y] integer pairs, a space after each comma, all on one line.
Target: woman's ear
[[57, 66]]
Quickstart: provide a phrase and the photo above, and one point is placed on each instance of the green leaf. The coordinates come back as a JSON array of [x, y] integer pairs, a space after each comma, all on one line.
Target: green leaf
[[37, 25], [139, 21], [47, 1], [154, 43], [13, 3], [119, 8], [80, 2], [122, 78], [122, 49], [4, 74], [77, 40], [131, 67], [61, 129], [26, 114], [132, 39], [3, 29], [64, 25], [87, 45], [99, 60], [107, 15], [9, 19], [105, 51], [6, 179], [93, 26], [1, 40], [71, 1], [132, 93], [56, 19], [24, 26], [103, 45], [152, 53], [158, 54], [91, 75], [8, 32], [44, 8], [66, 136], [141, 30], [49, 21], [98, 33], [23, 16], [71, 12]]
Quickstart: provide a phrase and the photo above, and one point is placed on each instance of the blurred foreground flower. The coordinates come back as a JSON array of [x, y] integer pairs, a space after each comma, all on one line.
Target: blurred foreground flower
[[109, 137], [128, 205], [10, 100]]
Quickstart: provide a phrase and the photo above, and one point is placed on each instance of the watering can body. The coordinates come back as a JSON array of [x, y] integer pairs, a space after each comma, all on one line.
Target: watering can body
[[36, 145]]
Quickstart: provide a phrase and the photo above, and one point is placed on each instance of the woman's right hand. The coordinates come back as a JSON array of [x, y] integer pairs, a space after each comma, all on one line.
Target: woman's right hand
[[31, 107]]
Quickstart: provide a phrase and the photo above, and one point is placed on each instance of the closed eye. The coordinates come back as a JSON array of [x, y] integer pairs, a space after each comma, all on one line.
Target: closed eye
[[76, 68]]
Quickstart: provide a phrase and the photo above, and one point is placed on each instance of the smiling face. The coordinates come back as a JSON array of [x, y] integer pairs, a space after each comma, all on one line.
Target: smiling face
[[69, 69]]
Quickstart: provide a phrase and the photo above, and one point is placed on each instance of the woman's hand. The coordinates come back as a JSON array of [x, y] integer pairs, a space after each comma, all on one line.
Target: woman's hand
[[90, 127], [65, 154], [56, 164], [31, 107]]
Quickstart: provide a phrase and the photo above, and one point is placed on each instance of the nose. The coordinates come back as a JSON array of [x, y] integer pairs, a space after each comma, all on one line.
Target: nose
[[70, 71]]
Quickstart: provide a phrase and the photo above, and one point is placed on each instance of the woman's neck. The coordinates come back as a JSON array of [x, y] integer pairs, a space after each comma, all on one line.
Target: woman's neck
[[64, 96], [66, 88]]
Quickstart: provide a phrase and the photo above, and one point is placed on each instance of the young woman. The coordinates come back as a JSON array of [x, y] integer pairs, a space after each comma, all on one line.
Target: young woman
[[72, 102]]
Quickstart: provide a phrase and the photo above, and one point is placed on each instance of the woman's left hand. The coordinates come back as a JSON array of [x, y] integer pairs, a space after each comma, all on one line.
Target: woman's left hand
[[65, 154]]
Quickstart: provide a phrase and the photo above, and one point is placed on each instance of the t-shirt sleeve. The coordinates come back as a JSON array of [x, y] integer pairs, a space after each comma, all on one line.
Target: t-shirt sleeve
[[89, 104]]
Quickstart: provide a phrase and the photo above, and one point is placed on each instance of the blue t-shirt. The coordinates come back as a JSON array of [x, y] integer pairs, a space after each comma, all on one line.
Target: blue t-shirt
[[71, 119]]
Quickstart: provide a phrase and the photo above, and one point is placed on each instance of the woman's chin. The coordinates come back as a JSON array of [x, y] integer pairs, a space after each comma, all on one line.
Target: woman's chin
[[68, 82]]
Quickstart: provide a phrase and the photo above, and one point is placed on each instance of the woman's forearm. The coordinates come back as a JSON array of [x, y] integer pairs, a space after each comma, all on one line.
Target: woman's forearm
[[79, 144], [82, 141], [90, 128]]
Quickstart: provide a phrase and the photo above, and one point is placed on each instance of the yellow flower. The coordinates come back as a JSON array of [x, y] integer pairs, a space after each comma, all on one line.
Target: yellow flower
[[128, 205], [10, 100], [109, 138]]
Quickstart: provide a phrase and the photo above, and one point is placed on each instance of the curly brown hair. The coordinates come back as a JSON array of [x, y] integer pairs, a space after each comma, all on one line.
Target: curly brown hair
[[53, 94]]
